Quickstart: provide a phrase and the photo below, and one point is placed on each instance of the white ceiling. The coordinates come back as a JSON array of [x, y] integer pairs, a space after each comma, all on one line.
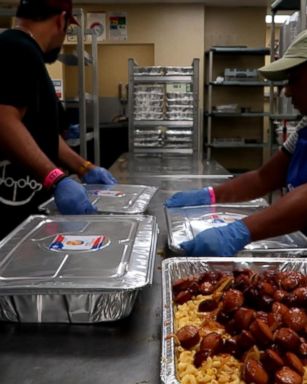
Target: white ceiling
[[225, 3]]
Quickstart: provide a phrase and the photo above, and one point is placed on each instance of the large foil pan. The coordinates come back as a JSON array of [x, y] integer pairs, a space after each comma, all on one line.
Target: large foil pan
[[75, 269], [186, 222], [117, 198], [179, 267]]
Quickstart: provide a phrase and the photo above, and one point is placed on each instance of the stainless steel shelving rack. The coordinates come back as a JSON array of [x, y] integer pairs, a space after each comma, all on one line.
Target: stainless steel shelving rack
[[162, 128], [286, 5], [279, 6], [85, 99], [211, 84]]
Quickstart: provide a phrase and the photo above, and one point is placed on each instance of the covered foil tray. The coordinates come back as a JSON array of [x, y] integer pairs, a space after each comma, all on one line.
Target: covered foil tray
[[186, 222], [75, 269], [117, 198], [177, 268]]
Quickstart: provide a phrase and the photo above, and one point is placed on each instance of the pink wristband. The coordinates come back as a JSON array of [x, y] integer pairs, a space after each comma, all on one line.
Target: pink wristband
[[52, 177], [212, 195]]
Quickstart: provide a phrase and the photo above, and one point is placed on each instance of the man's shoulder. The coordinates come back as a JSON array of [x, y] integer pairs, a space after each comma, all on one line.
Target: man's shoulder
[[18, 44]]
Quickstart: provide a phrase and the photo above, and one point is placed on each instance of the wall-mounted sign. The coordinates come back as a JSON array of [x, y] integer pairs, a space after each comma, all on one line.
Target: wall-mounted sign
[[58, 86], [118, 26], [97, 21], [71, 35]]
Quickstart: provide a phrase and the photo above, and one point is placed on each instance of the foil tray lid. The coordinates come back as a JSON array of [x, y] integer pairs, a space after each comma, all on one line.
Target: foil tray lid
[[78, 254], [186, 222], [180, 267], [117, 198]]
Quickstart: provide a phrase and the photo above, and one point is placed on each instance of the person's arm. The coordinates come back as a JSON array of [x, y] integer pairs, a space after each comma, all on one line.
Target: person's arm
[[18, 144], [288, 214], [20, 147], [250, 185], [71, 159], [89, 173]]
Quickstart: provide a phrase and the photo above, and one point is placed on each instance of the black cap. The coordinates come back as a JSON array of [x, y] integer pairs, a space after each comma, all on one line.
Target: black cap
[[36, 9]]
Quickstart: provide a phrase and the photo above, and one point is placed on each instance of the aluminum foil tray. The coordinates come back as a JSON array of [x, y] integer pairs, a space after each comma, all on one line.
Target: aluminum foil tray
[[75, 269], [117, 198], [185, 223], [176, 268]]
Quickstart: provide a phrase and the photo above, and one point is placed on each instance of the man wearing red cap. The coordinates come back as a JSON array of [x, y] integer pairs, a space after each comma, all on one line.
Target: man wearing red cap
[[32, 150]]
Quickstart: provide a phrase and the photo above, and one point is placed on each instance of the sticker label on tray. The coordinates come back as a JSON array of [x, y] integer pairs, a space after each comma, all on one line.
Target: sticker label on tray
[[217, 220], [107, 193], [78, 243]]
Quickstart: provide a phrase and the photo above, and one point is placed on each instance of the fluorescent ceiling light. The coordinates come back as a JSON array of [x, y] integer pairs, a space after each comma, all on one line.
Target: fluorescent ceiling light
[[278, 19]]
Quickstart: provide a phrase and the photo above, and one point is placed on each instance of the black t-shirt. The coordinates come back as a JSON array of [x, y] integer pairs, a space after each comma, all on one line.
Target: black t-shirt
[[25, 82]]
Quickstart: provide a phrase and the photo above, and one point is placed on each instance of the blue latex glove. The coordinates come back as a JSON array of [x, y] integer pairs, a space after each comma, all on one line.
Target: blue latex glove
[[189, 198], [220, 241], [71, 198], [98, 175]]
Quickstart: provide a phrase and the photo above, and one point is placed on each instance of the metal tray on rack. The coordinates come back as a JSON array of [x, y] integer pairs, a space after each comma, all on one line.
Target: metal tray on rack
[[117, 198], [75, 269], [185, 223], [177, 268]]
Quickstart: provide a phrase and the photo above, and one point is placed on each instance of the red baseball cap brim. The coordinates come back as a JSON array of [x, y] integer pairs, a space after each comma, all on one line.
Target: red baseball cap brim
[[73, 20]]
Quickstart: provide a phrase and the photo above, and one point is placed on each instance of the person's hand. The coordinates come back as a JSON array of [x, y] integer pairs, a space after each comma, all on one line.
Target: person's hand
[[71, 198], [219, 241], [98, 175], [190, 198]]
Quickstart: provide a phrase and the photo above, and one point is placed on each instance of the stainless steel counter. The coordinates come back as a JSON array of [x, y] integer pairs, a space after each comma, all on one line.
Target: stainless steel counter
[[159, 165], [127, 351]]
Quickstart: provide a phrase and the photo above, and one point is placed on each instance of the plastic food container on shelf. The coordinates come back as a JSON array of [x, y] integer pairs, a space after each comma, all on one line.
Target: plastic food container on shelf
[[149, 71], [148, 133], [178, 144], [178, 136], [150, 88], [148, 143], [181, 267], [179, 139], [178, 71], [152, 96], [187, 96], [144, 115], [180, 108], [188, 101], [186, 222], [75, 269], [148, 110], [117, 198], [145, 103], [179, 115]]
